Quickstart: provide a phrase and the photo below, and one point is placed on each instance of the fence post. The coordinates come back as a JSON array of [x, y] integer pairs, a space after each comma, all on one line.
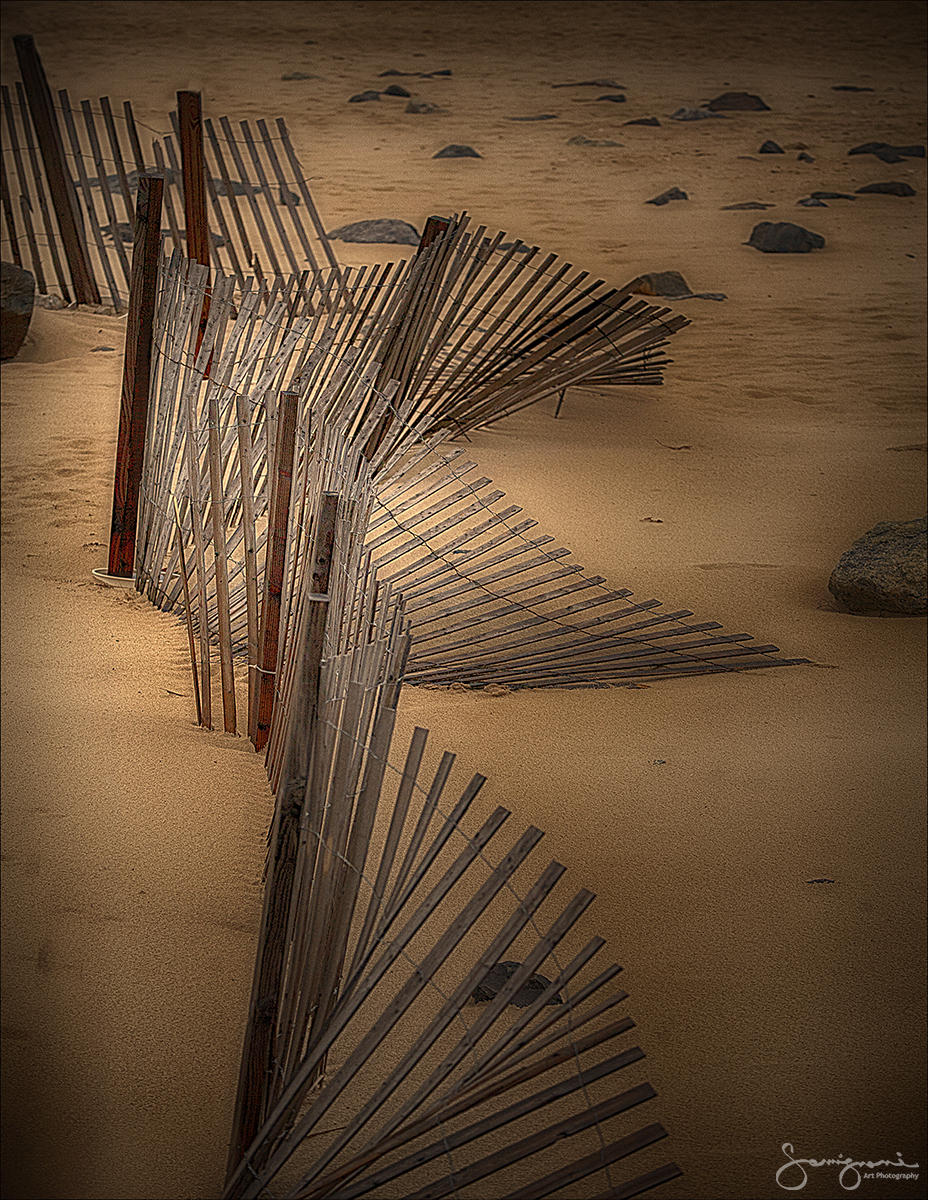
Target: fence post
[[434, 228], [136, 375], [60, 186], [190, 122], [278, 521], [255, 1073]]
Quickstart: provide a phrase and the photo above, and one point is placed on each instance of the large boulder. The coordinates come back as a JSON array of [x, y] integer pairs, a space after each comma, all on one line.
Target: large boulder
[[783, 237], [885, 571], [17, 300], [384, 229]]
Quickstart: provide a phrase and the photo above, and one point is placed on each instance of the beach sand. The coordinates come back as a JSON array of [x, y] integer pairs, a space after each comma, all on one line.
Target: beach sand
[[771, 1009]]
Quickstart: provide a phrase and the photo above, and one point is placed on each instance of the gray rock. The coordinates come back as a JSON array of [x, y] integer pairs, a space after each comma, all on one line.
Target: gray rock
[[643, 121], [361, 97], [737, 102], [297, 75], [669, 285], [456, 151], [849, 87], [748, 205], [17, 300], [422, 106], [694, 114], [500, 974], [783, 237], [803, 157], [395, 90], [832, 196], [771, 148], [885, 571], [580, 140], [811, 202], [888, 153], [382, 230], [613, 97], [600, 83], [673, 193], [887, 188], [540, 117]]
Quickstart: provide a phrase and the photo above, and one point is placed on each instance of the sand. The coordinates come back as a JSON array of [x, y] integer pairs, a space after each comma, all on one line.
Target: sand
[[772, 1009]]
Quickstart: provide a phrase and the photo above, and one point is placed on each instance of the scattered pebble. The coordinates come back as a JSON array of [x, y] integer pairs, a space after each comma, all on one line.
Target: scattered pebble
[[738, 102], [395, 90], [673, 193], [298, 75], [456, 151], [887, 188], [644, 121], [540, 117], [653, 520], [361, 97], [803, 157], [694, 114], [783, 237], [385, 230], [823, 880], [832, 196], [849, 87], [616, 99], [97, 349], [811, 202], [771, 148], [746, 206], [600, 83], [423, 106]]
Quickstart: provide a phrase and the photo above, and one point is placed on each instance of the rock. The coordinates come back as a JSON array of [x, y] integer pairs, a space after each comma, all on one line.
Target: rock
[[811, 202], [540, 117], [832, 196], [669, 285], [422, 106], [456, 151], [500, 974], [803, 157], [600, 83], [436, 74], [771, 148], [98, 349], [746, 206], [580, 140], [849, 87], [887, 152], [887, 188], [737, 102], [644, 121], [395, 90], [361, 97], [694, 114], [298, 75], [383, 229], [616, 99], [783, 237], [885, 571], [673, 193], [17, 300]]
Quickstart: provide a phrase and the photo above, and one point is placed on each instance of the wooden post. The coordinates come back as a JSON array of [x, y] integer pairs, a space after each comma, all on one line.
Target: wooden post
[[190, 121], [255, 1079], [136, 377], [434, 228], [59, 181], [279, 519]]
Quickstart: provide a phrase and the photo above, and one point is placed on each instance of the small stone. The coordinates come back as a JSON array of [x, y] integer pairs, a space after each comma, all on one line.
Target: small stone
[[613, 97], [422, 106], [600, 83], [17, 300], [849, 87], [887, 188], [393, 71], [738, 102], [643, 121], [888, 153], [694, 114], [384, 230], [580, 140], [748, 205], [783, 237], [669, 284], [297, 75], [395, 90], [436, 74], [98, 349], [803, 157], [673, 193], [361, 97], [832, 196], [885, 571], [456, 151], [771, 148], [811, 202], [540, 117]]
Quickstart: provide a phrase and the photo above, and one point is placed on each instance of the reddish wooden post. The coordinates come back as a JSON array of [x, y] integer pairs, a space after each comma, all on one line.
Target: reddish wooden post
[[60, 186], [136, 375], [276, 552], [190, 124], [255, 1071], [434, 228]]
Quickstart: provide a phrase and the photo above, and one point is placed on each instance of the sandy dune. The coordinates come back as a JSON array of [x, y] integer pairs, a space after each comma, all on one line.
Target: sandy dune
[[772, 1009]]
